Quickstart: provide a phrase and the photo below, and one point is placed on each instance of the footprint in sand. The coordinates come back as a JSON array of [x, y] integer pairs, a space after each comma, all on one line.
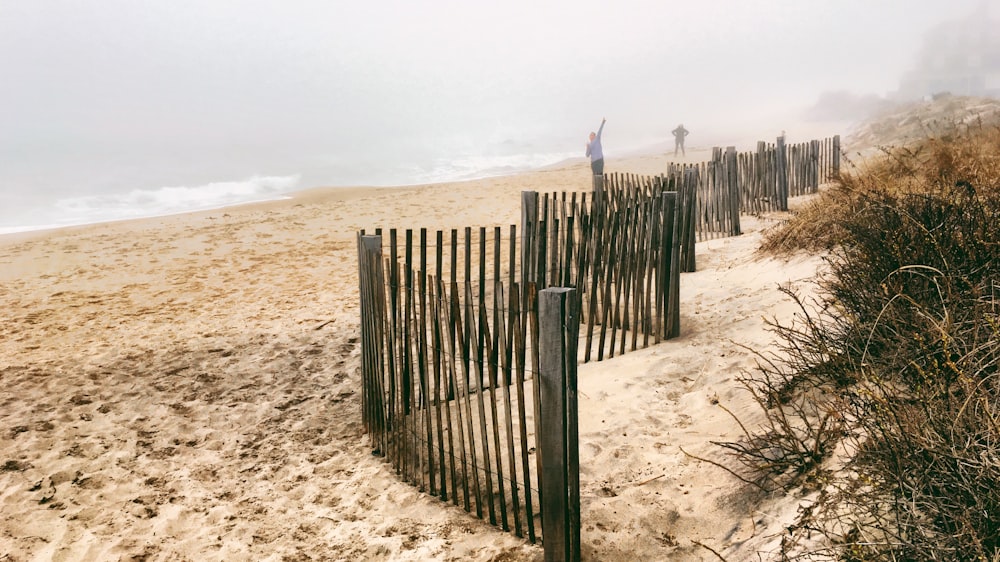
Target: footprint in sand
[[683, 420]]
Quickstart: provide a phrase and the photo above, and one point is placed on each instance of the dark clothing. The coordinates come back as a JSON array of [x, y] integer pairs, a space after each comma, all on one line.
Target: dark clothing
[[679, 133], [597, 166]]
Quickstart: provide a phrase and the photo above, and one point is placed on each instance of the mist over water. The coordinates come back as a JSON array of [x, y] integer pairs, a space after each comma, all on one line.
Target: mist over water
[[136, 108], [48, 189]]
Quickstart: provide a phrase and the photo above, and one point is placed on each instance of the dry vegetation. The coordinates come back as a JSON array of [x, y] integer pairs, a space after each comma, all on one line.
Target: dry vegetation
[[918, 149], [883, 404]]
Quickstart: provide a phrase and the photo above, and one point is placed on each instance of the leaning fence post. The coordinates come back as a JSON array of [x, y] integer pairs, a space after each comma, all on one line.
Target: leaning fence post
[[559, 328]]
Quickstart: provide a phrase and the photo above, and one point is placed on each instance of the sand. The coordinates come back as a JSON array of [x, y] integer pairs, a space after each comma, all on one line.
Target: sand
[[188, 388]]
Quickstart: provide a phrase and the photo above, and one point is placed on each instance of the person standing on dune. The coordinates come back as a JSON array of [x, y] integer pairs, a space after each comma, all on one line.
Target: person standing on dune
[[595, 152]]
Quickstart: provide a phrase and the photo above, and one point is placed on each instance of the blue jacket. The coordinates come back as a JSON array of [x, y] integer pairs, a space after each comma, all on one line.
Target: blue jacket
[[594, 149]]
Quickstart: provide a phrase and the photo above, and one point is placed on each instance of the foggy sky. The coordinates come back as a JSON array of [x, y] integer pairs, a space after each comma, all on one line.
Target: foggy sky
[[115, 80]]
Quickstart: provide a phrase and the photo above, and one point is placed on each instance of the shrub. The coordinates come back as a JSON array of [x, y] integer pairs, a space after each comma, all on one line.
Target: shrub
[[899, 366]]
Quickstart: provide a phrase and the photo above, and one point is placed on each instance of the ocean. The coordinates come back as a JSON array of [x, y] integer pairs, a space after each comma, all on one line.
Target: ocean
[[71, 193]]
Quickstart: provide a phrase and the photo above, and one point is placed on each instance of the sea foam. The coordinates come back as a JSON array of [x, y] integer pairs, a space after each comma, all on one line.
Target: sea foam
[[143, 203]]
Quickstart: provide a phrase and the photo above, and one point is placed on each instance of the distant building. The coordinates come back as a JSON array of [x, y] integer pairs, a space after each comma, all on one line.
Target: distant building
[[960, 57]]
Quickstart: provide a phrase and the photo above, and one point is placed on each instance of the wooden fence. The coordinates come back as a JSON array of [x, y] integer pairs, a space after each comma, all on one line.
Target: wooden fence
[[450, 333], [732, 183], [452, 359], [445, 384], [775, 172]]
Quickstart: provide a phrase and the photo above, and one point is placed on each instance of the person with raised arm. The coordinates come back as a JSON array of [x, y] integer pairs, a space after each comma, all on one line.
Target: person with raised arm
[[595, 151]]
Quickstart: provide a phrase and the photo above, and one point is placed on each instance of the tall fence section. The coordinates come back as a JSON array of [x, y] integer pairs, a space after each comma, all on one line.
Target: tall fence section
[[470, 393], [450, 334]]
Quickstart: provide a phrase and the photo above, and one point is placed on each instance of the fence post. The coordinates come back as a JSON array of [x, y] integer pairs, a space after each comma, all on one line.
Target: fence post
[[529, 232], [559, 328], [734, 190], [836, 156], [782, 170], [598, 183], [599, 193], [814, 165]]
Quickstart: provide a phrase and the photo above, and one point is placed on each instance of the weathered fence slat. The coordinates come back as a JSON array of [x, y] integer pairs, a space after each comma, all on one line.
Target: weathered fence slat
[[477, 352], [445, 458], [520, 379], [454, 327]]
